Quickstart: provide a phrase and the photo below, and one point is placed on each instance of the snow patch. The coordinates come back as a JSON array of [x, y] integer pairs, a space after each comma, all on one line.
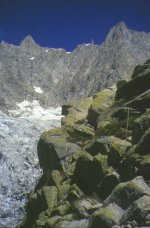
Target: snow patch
[[68, 52], [87, 44], [34, 112], [38, 89], [32, 58], [46, 50]]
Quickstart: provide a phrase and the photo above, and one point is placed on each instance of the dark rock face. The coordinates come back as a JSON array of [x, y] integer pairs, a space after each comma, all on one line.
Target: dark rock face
[[140, 84], [62, 76], [88, 172], [103, 181]]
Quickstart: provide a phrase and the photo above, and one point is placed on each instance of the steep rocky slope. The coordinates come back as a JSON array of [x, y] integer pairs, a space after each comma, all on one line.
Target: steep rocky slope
[[62, 75], [96, 166]]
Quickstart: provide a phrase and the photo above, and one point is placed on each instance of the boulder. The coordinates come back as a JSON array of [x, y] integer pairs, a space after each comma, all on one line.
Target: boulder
[[41, 222], [50, 194], [35, 206], [124, 194], [107, 184], [84, 205], [98, 145], [83, 223], [134, 87], [140, 125], [112, 146], [72, 162], [101, 101], [140, 69], [106, 217], [102, 162], [89, 171], [57, 178], [75, 193], [140, 102], [84, 130], [81, 133], [118, 149], [77, 108], [128, 167], [54, 147], [69, 217], [144, 167], [63, 209], [75, 111], [52, 221], [143, 146], [62, 184], [109, 124], [138, 211]]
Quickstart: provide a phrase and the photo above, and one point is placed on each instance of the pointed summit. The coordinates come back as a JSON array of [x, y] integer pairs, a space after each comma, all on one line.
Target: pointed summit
[[118, 32], [28, 42]]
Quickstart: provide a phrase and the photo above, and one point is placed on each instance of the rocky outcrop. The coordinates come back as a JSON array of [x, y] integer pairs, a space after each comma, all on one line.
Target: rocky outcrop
[[102, 180], [62, 75]]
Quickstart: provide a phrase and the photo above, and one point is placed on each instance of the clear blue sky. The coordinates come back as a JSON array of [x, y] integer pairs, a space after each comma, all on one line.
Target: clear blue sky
[[66, 23]]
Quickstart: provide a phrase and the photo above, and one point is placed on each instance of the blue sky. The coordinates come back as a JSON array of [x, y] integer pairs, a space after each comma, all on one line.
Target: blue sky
[[67, 23]]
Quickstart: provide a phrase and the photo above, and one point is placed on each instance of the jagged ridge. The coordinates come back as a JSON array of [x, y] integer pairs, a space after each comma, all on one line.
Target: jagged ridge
[[63, 76]]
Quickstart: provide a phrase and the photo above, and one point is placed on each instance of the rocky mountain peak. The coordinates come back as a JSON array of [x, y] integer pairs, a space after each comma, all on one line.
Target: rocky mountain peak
[[28, 42], [29, 46], [119, 32], [63, 76]]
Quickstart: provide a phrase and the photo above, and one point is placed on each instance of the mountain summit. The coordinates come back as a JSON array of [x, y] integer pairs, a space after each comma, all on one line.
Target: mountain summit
[[119, 32], [28, 42], [62, 75]]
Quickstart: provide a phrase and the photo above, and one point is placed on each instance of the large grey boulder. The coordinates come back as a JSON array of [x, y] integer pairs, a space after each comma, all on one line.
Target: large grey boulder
[[138, 211], [125, 193], [106, 217]]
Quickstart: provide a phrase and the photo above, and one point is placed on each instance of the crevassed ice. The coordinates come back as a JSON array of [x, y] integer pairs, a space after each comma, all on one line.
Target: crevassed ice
[[19, 167], [32, 110]]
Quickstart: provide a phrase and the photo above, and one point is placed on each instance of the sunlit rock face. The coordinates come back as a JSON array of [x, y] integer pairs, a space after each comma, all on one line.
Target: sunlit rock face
[[63, 75], [19, 164]]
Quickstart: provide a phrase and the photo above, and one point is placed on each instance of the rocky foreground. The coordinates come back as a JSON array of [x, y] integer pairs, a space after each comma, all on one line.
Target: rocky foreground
[[96, 166]]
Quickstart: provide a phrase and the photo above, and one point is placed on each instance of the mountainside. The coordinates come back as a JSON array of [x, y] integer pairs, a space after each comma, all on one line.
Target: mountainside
[[63, 75], [96, 166]]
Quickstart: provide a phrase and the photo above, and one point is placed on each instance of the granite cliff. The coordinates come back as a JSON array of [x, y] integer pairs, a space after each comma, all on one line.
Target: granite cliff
[[63, 75], [96, 166]]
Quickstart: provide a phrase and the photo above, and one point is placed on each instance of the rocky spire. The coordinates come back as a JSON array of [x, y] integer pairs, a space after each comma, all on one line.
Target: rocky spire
[[28, 42], [119, 32], [30, 47]]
